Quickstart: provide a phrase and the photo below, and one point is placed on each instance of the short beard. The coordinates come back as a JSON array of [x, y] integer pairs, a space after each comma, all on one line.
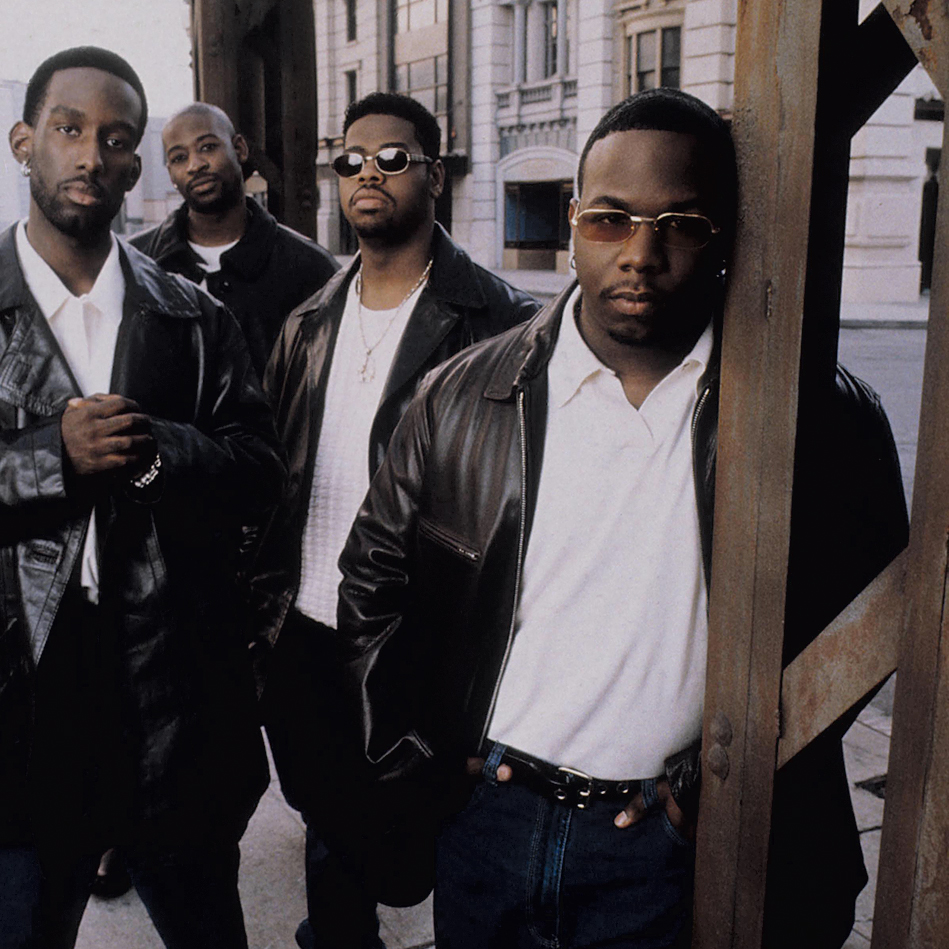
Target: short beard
[[81, 225], [232, 194]]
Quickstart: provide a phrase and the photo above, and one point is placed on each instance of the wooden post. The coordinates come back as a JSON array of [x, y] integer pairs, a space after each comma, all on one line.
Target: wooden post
[[298, 119], [912, 901], [214, 45], [774, 120]]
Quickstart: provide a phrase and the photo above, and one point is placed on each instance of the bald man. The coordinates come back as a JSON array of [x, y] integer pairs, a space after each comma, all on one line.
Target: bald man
[[225, 242]]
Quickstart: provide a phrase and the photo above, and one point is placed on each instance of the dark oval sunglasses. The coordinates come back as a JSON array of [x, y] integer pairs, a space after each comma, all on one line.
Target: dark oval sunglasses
[[612, 226], [389, 161]]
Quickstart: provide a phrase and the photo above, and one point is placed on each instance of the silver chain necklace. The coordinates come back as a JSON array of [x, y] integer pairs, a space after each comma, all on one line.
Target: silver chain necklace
[[367, 371]]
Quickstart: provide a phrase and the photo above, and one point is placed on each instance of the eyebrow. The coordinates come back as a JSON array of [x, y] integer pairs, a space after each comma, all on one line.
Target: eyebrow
[[68, 113], [197, 141], [365, 151], [621, 205]]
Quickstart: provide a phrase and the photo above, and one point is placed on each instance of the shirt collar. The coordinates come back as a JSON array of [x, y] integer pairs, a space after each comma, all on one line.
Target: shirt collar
[[573, 362], [107, 293]]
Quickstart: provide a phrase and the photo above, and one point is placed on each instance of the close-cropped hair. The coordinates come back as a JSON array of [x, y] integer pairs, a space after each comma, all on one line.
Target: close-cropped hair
[[81, 57], [671, 110], [427, 132]]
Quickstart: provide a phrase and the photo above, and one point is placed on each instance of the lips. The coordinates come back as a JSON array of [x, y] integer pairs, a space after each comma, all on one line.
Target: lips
[[369, 199], [85, 193], [632, 302], [202, 185]]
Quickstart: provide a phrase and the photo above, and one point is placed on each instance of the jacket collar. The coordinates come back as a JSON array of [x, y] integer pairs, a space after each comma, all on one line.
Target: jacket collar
[[33, 372], [249, 256], [530, 350]]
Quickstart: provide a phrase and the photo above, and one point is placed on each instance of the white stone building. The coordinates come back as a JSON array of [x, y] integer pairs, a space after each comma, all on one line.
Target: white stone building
[[519, 84]]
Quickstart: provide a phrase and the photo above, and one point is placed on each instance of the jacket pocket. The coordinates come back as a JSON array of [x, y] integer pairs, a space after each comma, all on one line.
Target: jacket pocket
[[42, 554], [448, 540]]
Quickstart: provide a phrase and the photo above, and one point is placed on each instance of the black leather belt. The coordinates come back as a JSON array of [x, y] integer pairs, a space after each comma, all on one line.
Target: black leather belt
[[564, 785]]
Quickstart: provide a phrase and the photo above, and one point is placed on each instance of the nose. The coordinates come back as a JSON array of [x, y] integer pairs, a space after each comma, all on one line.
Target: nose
[[366, 175], [642, 250], [196, 162], [90, 154]]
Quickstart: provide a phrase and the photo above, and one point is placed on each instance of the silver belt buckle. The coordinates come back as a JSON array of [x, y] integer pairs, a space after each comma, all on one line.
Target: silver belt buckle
[[583, 794]]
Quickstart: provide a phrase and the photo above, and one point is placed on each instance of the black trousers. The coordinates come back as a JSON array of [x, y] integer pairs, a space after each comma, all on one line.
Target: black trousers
[[81, 801], [316, 749]]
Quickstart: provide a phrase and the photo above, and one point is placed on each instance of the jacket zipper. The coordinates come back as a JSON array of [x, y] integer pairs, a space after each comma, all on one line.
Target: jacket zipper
[[698, 476], [443, 537], [521, 530]]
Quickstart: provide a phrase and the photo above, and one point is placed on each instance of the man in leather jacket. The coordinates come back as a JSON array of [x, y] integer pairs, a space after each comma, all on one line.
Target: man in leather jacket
[[524, 593], [225, 242], [134, 442], [345, 366]]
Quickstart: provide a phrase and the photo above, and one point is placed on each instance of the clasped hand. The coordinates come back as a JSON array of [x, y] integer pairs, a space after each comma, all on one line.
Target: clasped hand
[[107, 433]]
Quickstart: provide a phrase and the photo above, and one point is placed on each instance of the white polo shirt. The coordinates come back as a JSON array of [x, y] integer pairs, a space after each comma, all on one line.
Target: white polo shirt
[[86, 328], [607, 670]]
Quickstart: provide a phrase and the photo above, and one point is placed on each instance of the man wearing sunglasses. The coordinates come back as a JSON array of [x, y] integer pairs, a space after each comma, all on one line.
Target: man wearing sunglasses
[[226, 242], [343, 370], [524, 595]]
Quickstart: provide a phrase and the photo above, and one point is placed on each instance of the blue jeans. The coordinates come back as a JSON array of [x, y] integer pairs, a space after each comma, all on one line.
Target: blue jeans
[[517, 871], [191, 896]]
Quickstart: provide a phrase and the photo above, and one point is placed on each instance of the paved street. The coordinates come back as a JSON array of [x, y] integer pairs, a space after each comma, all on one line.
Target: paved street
[[890, 359]]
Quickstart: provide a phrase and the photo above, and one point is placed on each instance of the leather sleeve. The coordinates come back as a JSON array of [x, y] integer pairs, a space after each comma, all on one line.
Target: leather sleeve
[[374, 618], [684, 773], [230, 456]]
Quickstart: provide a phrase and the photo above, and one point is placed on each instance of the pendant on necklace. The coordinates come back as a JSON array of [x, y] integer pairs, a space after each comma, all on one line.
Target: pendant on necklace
[[368, 371]]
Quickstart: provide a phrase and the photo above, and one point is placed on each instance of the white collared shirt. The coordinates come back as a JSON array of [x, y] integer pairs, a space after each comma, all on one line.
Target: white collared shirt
[[86, 328], [607, 670]]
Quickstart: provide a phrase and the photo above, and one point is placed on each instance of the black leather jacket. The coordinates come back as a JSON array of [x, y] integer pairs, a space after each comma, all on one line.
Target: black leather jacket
[[461, 304], [167, 556], [433, 565], [270, 270]]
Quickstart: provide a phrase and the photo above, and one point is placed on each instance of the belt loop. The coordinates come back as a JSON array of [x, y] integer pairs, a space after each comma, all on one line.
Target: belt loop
[[491, 763], [650, 797]]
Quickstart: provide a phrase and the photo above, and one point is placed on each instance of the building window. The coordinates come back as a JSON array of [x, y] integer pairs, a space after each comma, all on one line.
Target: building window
[[417, 14], [352, 92], [535, 215], [654, 58], [551, 38], [350, 20], [929, 110], [427, 81]]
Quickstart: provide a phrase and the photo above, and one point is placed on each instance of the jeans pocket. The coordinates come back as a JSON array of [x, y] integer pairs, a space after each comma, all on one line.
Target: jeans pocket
[[673, 832]]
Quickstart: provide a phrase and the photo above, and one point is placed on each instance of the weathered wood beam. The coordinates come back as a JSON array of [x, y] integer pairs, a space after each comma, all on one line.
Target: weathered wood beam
[[925, 24], [856, 652], [912, 900], [298, 119], [774, 121], [214, 49]]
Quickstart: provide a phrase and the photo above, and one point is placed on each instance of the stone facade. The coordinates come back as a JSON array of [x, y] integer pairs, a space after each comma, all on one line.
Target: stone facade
[[529, 79]]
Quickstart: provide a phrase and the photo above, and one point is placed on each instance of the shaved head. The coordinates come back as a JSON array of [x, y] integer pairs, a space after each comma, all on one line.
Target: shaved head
[[205, 158], [215, 117]]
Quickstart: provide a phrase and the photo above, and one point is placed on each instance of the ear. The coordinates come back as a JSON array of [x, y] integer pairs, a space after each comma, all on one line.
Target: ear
[[135, 173], [241, 148], [21, 142], [574, 211], [436, 179]]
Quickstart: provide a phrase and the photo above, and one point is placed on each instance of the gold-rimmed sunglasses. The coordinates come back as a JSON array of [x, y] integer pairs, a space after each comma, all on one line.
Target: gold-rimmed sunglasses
[[391, 160], [673, 229]]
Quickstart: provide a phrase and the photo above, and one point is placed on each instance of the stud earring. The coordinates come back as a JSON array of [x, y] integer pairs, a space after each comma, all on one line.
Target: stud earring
[[25, 169]]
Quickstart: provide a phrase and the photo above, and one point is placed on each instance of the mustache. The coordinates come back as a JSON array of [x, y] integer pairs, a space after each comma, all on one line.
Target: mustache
[[90, 184], [200, 180], [627, 287], [368, 190]]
